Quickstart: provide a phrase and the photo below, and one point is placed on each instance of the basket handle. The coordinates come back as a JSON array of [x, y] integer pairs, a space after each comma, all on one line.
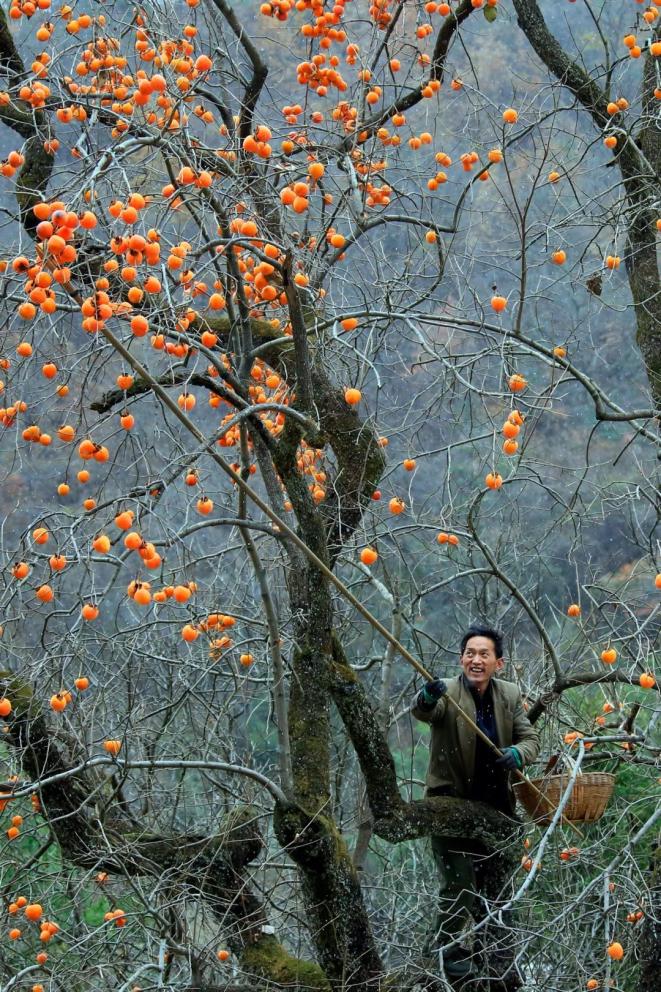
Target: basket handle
[[550, 765], [566, 763]]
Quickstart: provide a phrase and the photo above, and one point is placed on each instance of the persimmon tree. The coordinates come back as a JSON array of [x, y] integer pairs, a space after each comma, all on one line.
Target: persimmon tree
[[318, 342]]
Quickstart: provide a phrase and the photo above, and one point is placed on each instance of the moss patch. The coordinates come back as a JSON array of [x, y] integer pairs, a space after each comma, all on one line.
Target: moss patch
[[20, 694], [268, 959]]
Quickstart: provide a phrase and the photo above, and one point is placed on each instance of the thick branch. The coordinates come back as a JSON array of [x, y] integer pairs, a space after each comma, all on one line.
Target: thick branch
[[69, 797], [300, 337], [571, 682], [173, 377], [360, 460], [33, 127], [11, 62], [367, 737], [259, 68], [554, 57], [437, 67], [65, 802]]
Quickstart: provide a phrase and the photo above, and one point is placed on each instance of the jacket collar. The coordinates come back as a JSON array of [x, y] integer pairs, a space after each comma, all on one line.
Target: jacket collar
[[487, 695]]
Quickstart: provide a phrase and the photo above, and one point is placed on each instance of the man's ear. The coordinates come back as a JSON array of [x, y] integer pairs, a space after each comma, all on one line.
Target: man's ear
[[500, 664]]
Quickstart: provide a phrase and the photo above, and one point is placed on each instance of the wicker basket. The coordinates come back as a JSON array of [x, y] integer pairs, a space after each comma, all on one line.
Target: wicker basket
[[588, 800]]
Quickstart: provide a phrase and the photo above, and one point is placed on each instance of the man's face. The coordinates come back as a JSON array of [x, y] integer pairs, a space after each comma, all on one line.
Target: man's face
[[479, 662]]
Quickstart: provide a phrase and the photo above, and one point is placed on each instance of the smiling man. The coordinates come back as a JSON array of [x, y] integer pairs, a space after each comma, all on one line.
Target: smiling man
[[462, 765]]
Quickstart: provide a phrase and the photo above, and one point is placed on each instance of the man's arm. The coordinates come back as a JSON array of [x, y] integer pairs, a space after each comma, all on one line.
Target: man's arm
[[524, 736], [430, 705]]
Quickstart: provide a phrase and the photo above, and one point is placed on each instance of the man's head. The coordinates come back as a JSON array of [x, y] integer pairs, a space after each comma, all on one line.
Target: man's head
[[481, 655]]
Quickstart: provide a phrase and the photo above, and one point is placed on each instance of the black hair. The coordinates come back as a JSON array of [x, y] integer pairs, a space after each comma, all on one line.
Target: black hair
[[478, 630]]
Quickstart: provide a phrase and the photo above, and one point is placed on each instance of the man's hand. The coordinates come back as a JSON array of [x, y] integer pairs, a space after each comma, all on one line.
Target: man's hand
[[510, 759], [432, 692]]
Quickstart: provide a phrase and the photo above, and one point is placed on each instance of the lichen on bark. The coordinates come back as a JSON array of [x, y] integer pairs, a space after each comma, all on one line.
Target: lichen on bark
[[33, 178], [367, 736], [309, 728], [336, 909], [269, 960]]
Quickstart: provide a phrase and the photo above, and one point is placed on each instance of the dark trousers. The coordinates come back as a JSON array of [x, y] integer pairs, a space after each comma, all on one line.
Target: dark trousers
[[461, 902], [458, 871]]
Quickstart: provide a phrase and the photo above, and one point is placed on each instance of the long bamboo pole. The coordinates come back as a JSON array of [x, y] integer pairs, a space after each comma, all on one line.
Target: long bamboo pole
[[286, 530]]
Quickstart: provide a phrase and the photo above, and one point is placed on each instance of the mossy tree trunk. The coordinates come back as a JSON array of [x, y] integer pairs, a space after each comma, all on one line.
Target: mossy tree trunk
[[33, 127], [331, 890]]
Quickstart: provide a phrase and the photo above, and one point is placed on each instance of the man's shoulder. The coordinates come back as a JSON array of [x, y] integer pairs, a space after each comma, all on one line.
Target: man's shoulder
[[454, 685], [509, 690]]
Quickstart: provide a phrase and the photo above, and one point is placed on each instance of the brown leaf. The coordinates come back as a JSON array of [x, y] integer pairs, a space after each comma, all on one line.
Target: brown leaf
[[594, 284]]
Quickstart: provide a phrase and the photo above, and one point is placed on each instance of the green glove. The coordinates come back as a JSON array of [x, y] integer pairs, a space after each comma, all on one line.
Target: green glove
[[510, 759], [431, 693]]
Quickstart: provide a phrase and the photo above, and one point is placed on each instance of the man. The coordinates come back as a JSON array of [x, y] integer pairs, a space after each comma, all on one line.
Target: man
[[462, 765]]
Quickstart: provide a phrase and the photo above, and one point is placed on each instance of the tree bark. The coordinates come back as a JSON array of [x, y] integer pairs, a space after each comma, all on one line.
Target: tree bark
[[338, 917], [34, 129]]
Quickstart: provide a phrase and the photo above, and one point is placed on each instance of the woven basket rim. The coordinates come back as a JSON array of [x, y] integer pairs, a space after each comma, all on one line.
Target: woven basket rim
[[585, 778]]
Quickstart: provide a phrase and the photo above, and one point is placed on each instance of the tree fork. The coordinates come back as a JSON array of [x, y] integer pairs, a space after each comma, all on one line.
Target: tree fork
[[338, 917]]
